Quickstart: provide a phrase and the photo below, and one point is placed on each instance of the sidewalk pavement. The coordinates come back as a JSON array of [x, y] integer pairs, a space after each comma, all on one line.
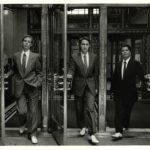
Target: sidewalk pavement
[[133, 137]]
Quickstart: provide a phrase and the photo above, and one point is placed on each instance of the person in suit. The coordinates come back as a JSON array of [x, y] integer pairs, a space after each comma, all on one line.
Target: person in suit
[[124, 89], [27, 73], [83, 70]]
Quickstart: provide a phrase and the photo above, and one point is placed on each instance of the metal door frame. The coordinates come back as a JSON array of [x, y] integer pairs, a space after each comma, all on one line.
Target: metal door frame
[[102, 54], [2, 77], [64, 49], [2, 80], [65, 74]]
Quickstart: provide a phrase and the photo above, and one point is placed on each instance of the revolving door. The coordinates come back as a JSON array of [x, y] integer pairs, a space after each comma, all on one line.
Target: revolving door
[[57, 72]]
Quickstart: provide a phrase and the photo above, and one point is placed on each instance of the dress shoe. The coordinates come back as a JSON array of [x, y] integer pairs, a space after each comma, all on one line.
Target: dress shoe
[[117, 136], [34, 139], [22, 129], [93, 139], [83, 131]]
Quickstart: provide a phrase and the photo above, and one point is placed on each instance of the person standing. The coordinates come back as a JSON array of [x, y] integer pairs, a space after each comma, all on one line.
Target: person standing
[[124, 89], [27, 71], [84, 71]]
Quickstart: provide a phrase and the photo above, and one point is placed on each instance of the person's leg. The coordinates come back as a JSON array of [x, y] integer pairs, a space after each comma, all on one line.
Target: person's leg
[[90, 115], [22, 110], [119, 109], [127, 113], [79, 111], [32, 117], [118, 120]]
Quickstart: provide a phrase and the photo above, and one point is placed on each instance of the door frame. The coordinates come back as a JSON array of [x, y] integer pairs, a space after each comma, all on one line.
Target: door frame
[[46, 47], [65, 74], [2, 90]]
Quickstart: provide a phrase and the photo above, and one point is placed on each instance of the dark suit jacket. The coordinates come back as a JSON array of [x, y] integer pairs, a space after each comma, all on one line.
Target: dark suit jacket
[[80, 78], [33, 73], [127, 87]]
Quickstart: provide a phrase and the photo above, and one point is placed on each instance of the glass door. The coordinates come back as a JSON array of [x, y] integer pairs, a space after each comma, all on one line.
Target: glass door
[[57, 70]]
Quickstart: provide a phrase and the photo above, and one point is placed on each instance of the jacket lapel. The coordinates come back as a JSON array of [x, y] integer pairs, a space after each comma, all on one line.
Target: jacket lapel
[[90, 62], [128, 67], [19, 64], [80, 63]]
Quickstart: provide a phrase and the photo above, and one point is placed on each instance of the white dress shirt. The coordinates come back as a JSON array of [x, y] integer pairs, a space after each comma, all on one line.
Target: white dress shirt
[[27, 56], [87, 58], [127, 61]]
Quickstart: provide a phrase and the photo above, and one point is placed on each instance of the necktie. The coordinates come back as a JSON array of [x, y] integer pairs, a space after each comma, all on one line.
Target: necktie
[[24, 62], [124, 68], [85, 63]]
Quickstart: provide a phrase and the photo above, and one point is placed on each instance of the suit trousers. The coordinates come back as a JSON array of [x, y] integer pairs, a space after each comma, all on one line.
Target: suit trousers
[[123, 108], [85, 111], [27, 106]]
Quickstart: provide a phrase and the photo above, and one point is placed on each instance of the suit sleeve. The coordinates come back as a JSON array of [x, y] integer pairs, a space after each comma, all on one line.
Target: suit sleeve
[[140, 71], [39, 71], [96, 72]]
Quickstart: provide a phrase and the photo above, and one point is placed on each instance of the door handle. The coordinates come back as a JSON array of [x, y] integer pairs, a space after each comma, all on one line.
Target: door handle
[[59, 83]]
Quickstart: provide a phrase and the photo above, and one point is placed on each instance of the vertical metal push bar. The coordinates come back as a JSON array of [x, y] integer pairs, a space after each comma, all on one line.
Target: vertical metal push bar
[[65, 74], [102, 67], [2, 79]]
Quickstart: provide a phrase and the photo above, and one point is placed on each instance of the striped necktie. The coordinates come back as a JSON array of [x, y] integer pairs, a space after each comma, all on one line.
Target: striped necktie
[[85, 63], [24, 63]]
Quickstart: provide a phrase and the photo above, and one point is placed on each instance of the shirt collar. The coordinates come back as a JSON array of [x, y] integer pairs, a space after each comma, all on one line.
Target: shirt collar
[[26, 52], [127, 60], [84, 54]]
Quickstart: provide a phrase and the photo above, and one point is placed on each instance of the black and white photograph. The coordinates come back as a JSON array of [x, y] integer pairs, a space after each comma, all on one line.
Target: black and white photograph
[[74, 74]]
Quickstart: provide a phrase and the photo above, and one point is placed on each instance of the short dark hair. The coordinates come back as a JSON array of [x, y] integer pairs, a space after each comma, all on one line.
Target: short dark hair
[[84, 38], [29, 36], [128, 46]]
